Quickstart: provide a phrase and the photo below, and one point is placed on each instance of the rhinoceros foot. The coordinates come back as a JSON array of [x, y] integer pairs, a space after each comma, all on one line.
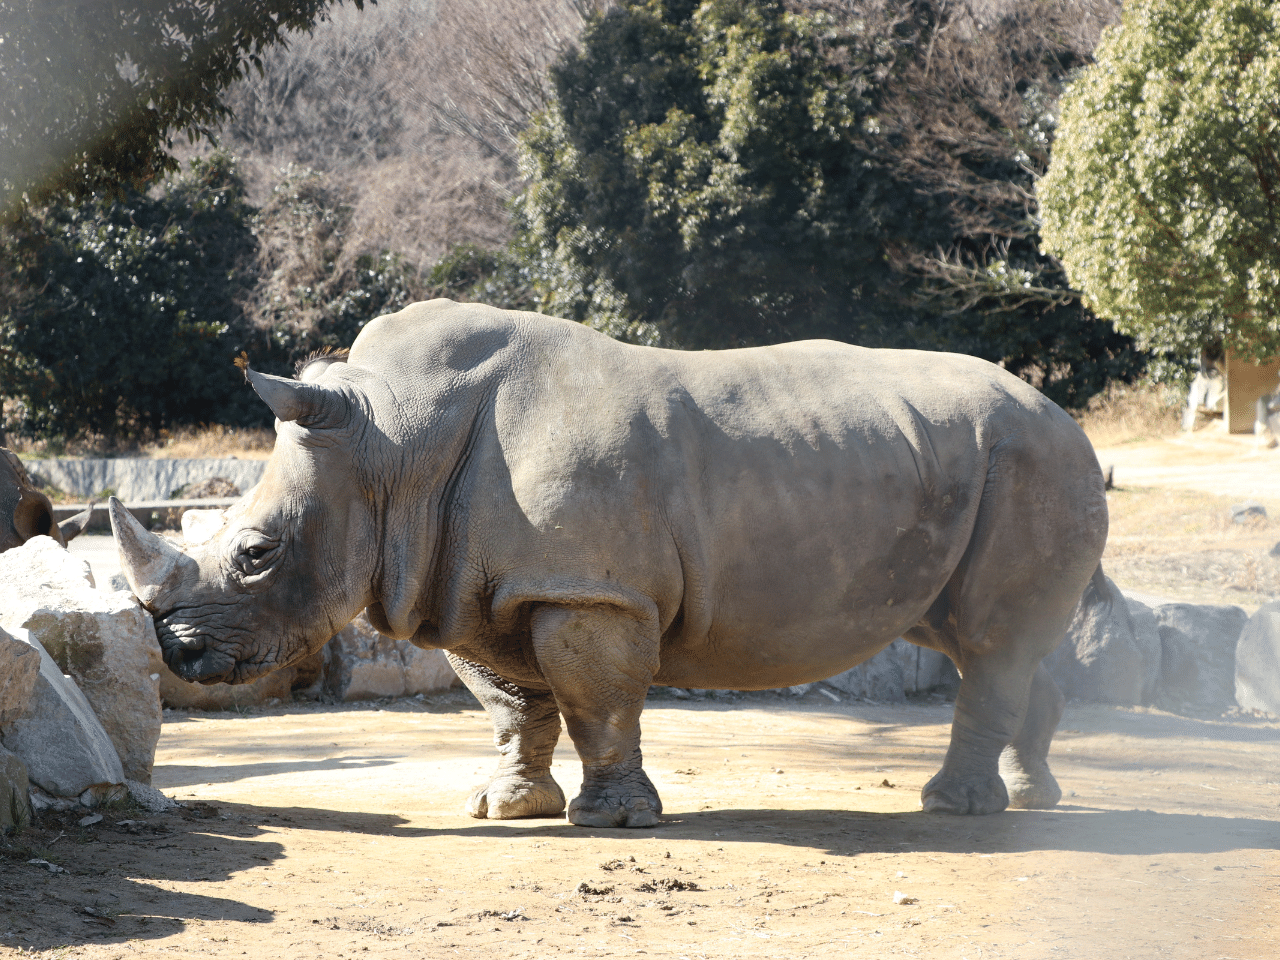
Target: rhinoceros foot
[[1030, 784], [947, 793], [509, 797], [632, 802]]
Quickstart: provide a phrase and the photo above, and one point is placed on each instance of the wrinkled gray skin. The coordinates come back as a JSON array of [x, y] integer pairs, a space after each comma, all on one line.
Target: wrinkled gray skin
[[574, 519], [25, 512]]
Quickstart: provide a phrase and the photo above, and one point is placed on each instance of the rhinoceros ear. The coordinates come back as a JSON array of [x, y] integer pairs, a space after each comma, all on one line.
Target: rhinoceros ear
[[33, 517], [305, 403]]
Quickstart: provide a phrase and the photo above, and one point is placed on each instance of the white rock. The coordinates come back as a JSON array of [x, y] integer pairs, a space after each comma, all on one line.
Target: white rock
[[199, 526], [880, 678], [19, 667], [923, 669], [149, 797], [104, 641], [362, 664], [64, 747], [1258, 661], [138, 479]]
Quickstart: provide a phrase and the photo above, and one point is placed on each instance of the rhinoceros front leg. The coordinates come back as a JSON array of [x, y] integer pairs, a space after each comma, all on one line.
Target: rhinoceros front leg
[[1004, 723], [599, 662], [526, 726]]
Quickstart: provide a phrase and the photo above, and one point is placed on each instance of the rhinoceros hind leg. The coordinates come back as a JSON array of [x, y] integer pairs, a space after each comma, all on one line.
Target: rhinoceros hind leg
[[600, 660], [1024, 764], [999, 744], [526, 726], [947, 793]]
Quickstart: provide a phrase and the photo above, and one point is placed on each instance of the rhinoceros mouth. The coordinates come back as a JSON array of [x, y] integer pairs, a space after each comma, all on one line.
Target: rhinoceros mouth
[[192, 654]]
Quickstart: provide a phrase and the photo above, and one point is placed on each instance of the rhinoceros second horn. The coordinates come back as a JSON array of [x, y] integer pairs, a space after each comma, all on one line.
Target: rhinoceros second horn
[[294, 400], [151, 564]]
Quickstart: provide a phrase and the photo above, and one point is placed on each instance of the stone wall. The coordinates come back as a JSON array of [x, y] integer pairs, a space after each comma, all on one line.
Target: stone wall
[[137, 479]]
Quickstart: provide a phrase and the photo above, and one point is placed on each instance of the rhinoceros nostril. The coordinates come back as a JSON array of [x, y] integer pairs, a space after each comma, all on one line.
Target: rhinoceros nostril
[[183, 658], [190, 654]]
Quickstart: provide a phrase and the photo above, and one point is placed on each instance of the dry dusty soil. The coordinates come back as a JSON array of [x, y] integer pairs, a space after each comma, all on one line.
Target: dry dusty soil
[[792, 825]]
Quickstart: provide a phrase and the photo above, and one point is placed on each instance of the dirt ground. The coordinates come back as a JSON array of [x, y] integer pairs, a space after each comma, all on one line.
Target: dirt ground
[[792, 825]]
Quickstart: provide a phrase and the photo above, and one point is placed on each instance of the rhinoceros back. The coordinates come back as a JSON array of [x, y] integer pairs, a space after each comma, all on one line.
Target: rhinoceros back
[[788, 509]]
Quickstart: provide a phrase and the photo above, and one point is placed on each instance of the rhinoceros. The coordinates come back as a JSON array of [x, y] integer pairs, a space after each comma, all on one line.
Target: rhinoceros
[[25, 512], [573, 519]]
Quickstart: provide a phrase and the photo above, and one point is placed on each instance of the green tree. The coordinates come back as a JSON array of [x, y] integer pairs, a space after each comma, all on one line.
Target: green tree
[[92, 92], [1163, 196], [697, 177], [124, 312], [734, 172]]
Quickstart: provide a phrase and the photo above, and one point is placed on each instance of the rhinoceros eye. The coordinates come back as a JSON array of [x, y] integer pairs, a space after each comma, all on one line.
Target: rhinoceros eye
[[254, 555]]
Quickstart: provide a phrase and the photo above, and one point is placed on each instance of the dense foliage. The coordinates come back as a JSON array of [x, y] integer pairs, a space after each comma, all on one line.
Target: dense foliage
[[92, 92], [734, 172], [121, 314], [698, 174], [1163, 198]]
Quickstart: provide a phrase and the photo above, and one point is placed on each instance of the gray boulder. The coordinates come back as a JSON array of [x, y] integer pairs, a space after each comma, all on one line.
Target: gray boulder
[[1257, 680], [895, 671], [66, 751], [881, 678], [104, 641], [1251, 511], [1198, 656], [924, 670], [1111, 652], [19, 667], [362, 664], [15, 789]]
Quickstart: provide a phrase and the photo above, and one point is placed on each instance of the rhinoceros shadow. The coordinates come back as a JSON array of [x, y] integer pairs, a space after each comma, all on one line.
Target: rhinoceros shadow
[[849, 833]]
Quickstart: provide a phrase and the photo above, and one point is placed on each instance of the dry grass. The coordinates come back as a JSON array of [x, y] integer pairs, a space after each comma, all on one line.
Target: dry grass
[[213, 441], [203, 442], [1184, 545], [1132, 413]]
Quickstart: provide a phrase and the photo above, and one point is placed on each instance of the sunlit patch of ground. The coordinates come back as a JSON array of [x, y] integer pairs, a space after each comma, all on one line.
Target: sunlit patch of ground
[[790, 825]]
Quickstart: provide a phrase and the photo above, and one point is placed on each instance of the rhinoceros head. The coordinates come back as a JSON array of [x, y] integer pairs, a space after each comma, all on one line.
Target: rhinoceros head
[[294, 561], [25, 512]]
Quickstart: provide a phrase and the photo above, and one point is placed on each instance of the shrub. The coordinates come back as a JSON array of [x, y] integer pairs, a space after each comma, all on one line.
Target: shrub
[[120, 315]]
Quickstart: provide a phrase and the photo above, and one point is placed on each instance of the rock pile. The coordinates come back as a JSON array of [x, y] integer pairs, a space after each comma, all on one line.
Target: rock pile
[[899, 669], [1181, 657], [82, 683], [1257, 661], [362, 664], [79, 706]]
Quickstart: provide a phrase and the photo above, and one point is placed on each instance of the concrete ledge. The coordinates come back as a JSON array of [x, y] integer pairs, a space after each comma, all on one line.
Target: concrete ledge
[[150, 513], [139, 479]]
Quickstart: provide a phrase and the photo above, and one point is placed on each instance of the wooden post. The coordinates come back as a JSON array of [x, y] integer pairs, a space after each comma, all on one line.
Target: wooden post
[[1246, 382]]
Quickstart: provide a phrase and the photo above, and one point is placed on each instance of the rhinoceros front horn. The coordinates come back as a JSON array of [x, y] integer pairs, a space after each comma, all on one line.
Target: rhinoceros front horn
[[306, 403], [154, 567]]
